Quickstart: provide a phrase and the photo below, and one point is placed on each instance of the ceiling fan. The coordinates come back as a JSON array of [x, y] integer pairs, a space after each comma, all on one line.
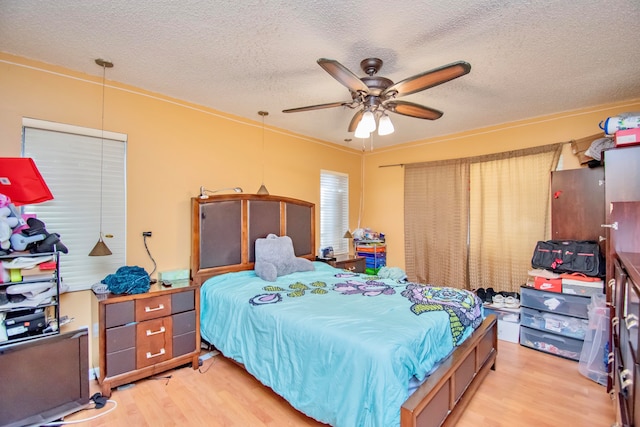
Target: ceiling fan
[[375, 95]]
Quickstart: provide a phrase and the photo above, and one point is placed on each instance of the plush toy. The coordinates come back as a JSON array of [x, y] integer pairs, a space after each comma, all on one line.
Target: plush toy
[[37, 239], [7, 223], [275, 257]]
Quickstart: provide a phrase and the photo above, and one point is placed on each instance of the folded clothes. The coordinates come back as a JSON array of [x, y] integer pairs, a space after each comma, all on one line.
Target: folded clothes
[[26, 262], [30, 290]]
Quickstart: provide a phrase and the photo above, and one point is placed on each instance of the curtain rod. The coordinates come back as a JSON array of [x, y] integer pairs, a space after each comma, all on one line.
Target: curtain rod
[[492, 156]]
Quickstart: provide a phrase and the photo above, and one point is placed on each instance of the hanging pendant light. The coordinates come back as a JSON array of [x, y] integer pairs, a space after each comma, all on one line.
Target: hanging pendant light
[[101, 249], [263, 190]]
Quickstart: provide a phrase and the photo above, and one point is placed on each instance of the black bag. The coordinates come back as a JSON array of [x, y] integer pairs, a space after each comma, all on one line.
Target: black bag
[[569, 256]]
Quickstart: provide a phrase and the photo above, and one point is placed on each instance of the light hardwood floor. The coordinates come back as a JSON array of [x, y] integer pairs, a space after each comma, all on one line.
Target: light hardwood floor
[[528, 388]]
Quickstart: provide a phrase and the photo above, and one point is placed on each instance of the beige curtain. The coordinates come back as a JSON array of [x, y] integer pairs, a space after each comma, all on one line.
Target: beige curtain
[[473, 222], [436, 213], [509, 213]]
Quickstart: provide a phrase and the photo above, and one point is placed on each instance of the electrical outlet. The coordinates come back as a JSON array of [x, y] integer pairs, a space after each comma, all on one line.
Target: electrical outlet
[[146, 234]]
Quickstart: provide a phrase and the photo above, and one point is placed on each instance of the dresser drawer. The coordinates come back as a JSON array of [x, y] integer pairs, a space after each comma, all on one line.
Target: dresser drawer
[[152, 308], [183, 301], [568, 305], [154, 341], [120, 362], [119, 314], [120, 338]]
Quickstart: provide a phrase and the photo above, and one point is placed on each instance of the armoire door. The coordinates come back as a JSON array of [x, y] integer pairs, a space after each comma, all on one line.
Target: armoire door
[[577, 204]]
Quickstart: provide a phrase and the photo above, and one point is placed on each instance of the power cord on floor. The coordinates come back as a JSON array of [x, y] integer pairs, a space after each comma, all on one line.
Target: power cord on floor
[[211, 355], [99, 402]]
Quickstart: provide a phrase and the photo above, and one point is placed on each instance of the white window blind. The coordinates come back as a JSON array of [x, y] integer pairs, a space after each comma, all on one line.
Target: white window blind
[[334, 211], [69, 159]]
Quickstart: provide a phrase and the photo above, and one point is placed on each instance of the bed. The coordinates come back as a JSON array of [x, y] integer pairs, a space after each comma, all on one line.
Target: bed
[[343, 348]]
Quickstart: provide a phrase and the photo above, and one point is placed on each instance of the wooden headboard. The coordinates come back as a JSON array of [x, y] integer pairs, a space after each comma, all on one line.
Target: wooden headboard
[[225, 228]]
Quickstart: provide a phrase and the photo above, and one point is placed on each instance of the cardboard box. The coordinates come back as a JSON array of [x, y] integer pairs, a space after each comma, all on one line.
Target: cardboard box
[[579, 287], [627, 137], [579, 146], [548, 285]]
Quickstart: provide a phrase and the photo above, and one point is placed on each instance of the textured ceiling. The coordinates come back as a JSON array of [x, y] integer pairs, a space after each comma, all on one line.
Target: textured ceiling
[[528, 58]]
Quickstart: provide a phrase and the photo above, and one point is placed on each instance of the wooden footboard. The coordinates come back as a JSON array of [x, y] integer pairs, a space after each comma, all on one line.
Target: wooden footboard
[[441, 399]]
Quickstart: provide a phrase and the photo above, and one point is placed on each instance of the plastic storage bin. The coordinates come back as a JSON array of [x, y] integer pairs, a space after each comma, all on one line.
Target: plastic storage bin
[[558, 345], [508, 322], [593, 358], [571, 327], [568, 305]]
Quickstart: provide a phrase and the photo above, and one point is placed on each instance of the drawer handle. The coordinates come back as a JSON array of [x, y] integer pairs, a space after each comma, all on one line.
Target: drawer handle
[[613, 226], [151, 356], [552, 337], [611, 283], [149, 309], [624, 374], [625, 384], [631, 323], [159, 331], [351, 268], [615, 320]]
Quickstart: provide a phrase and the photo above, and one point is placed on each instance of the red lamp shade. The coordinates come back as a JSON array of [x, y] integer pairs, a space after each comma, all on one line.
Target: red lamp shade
[[21, 181]]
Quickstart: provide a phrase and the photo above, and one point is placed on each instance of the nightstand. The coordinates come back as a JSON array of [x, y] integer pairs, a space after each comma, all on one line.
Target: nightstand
[[144, 334], [351, 263]]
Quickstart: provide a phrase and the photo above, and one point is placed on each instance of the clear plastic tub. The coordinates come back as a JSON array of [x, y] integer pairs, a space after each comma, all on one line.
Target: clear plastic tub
[[593, 358]]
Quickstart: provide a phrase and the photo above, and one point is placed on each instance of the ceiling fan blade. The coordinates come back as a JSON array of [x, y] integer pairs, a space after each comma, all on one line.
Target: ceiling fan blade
[[355, 120], [343, 75], [413, 110], [318, 107], [427, 79]]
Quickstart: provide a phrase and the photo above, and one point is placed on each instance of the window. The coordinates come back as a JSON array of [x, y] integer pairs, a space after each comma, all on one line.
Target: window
[[69, 159], [334, 211]]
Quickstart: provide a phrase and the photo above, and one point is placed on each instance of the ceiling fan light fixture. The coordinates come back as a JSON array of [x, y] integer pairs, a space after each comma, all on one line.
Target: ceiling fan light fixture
[[385, 127], [361, 131], [368, 121]]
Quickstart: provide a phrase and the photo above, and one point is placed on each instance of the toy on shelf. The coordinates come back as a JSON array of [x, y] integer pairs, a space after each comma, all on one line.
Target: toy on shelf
[[18, 234], [371, 246]]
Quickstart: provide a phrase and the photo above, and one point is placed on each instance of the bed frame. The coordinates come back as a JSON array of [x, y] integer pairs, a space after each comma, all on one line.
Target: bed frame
[[224, 230]]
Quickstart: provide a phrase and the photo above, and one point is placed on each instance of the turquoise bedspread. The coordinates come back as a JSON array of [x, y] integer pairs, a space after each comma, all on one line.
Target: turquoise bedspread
[[338, 346]]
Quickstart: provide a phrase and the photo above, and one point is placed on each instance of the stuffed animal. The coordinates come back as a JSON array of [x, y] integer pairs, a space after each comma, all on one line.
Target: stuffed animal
[[275, 257], [37, 239], [7, 223]]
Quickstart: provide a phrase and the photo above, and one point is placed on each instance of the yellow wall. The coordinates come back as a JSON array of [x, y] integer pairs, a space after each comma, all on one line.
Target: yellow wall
[[174, 147], [384, 186]]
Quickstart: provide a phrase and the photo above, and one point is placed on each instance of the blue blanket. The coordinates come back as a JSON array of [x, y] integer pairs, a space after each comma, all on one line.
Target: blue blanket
[[338, 346]]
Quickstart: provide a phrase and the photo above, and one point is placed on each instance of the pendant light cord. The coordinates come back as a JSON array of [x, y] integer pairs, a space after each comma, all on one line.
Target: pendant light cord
[[104, 68], [263, 148]]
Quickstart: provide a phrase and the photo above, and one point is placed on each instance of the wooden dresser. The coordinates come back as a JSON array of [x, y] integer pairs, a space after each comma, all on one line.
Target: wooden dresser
[[622, 209], [145, 334], [347, 262], [625, 287]]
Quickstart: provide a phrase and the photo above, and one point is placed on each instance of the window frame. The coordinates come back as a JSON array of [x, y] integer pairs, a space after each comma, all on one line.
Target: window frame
[[334, 211], [84, 181]]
